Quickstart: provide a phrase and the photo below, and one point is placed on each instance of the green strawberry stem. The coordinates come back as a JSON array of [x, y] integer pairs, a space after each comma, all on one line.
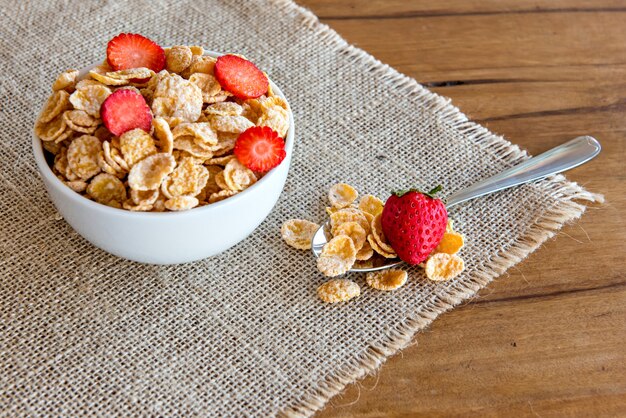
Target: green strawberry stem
[[430, 194]]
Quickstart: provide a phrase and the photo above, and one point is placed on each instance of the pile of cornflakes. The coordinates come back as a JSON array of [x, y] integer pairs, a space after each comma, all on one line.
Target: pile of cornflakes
[[358, 242], [186, 158]]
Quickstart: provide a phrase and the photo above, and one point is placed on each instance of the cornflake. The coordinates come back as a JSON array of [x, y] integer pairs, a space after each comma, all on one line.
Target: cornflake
[[187, 178], [176, 99], [298, 233], [66, 81], [82, 156], [371, 205], [354, 231], [237, 176], [441, 267], [178, 58], [338, 290], [136, 145], [390, 279], [337, 257], [151, 171], [342, 195], [451, 243], [107, 189], [181, 203], [90, 98]]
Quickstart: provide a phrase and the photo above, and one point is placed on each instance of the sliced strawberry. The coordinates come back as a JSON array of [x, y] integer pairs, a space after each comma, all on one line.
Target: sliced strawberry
[[130, 50], [240, 77], [260, 148], [125, 110]]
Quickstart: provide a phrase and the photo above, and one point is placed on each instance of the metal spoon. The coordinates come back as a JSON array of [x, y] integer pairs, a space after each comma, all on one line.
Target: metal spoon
[[564, 157]]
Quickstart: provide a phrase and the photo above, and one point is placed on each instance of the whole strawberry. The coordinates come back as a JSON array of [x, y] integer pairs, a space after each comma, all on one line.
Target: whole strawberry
[[414, 223]]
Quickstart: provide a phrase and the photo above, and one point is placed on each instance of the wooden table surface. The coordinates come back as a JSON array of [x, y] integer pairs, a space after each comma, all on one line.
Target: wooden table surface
[[547, 338]]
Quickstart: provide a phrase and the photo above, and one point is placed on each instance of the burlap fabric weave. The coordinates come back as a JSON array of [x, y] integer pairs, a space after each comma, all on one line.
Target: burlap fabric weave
[[83, 333]]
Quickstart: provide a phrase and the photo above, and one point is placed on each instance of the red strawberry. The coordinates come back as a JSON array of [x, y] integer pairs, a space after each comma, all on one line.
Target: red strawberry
[[260, 148], [130, 50], [240, 77], [125, 110], [414, 223]]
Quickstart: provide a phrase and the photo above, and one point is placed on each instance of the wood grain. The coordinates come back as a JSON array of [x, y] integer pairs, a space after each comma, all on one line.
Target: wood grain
[[546, 339]]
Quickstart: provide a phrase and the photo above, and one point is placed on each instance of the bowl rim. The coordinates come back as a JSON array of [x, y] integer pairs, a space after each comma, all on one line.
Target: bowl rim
[[68, 193]]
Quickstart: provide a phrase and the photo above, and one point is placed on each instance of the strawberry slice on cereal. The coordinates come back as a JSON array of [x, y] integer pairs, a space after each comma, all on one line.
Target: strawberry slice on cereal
[[260, 148], [240, 77], [125, 110], [131, 50]]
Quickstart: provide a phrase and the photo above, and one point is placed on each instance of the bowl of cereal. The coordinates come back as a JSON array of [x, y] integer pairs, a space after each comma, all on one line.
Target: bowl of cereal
[[164, 155]]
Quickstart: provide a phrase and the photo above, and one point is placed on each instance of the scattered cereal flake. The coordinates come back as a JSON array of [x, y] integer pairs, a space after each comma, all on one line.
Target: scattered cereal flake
[[386, 279], [276, 118], [105, 188], [298, 233], [187, 178], [342, 195], [354, 231], [150, 172], [337, 257], [178, 58], [82, 156], [232, 124], [89, 98], [451, 243], [136, 145], [219, 196], [78, 186], [366, 252], [51, 131], [164, 134], [363, 264], [450, 225], [201, 132], [371, 204], [338, 290], [65, 81], [55, 105], [224, 109], [441, 267], [176, 98], [379, 236], [181, 203], [144, 197], [376, 247], [347, 215], [237, 176]]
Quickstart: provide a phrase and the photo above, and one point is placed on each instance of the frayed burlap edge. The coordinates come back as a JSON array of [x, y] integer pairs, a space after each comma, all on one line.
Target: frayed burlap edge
[[544, 228]]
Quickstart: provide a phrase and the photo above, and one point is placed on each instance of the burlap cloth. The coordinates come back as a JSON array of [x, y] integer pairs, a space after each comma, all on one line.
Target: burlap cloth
[[83, 333]]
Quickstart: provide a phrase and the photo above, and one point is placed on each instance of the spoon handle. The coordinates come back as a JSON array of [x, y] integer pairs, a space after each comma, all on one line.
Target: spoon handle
[[564, 157]]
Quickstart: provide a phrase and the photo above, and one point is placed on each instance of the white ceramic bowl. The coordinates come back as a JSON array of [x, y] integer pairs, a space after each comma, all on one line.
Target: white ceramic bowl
[[169, 237]]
